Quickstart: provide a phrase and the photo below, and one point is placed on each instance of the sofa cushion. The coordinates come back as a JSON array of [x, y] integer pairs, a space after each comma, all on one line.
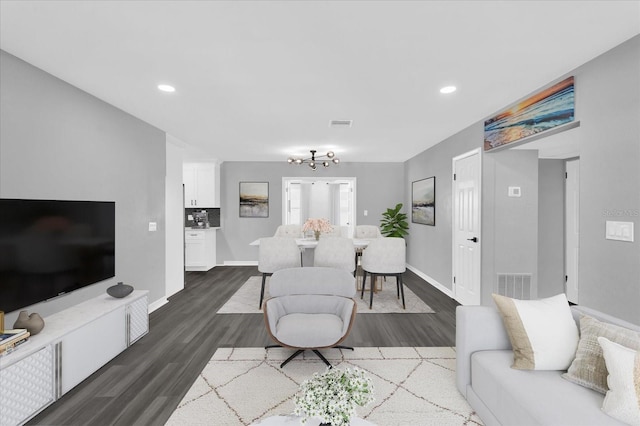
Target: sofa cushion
[[294, 330], [520, 397], [542, 332], [622, 400], [588, 368]]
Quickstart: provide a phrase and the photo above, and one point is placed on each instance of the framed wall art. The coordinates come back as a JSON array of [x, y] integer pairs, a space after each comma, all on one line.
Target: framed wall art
[[254, 199], [423, 201], [543, 111]]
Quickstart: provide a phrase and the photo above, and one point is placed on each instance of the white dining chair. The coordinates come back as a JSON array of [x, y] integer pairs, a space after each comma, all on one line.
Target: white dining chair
[[336, 252], [293, 231], [276, 253], [367, 232], [384, 257]]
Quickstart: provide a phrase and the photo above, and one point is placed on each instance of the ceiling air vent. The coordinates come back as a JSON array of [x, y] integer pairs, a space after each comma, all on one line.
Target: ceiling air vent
[[340, 123]]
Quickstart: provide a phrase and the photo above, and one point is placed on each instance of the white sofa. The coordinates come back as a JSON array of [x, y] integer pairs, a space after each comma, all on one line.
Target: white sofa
[[501, 395]]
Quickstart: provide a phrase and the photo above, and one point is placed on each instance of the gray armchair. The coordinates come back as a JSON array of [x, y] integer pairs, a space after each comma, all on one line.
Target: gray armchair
[[310, 309]]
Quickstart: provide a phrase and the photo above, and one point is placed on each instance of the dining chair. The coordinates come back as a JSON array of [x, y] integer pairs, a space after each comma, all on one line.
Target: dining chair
[[294, 231], [276, 253], [384, 257], [367, 232], [310, 309], [336, 252]]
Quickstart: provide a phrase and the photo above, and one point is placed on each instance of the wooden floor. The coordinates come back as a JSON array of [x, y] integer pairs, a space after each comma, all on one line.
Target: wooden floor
[[144, 384]]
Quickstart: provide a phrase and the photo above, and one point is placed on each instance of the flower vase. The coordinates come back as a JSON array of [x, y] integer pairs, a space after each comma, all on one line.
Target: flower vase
[[33, 323], [316, 234]]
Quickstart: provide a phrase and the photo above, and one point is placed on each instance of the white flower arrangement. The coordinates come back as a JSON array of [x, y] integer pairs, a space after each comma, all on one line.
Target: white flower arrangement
[[332, 396]]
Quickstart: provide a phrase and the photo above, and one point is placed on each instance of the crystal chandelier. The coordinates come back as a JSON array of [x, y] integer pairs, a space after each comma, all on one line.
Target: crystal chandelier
[[313, 161]]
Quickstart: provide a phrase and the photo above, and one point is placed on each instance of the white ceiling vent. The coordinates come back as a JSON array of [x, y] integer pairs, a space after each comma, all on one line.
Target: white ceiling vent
[[340, 123]]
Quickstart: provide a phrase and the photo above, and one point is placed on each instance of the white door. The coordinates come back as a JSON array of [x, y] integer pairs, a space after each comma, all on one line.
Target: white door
[[572, 228], [466, 228]]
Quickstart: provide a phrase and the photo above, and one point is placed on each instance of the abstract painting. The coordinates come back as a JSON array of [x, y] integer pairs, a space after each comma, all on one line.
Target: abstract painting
[[254, 199], [545, 110], [423, 201]]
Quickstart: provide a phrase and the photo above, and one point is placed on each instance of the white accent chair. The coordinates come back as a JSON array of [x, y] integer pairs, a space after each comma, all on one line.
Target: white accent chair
[[336, 252], [367, 232], [292, 231], [310, 309], [384, 257], [276, 253]]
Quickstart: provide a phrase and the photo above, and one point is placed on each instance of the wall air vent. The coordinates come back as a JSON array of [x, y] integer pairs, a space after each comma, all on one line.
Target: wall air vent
[[340, 123]]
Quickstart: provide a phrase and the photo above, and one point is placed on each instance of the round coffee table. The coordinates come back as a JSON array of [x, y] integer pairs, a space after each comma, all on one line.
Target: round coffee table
[[295, 421]]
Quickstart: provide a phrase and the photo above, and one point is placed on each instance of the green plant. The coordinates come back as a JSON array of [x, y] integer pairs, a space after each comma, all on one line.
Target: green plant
[[394, 223]]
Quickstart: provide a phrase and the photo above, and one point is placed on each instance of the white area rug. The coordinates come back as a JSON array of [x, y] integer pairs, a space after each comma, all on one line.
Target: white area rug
[[242, 386], [245, 300]]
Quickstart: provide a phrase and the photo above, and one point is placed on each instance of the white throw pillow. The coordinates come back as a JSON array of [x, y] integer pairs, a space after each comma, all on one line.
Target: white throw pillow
[[622, 400], [542, 332]]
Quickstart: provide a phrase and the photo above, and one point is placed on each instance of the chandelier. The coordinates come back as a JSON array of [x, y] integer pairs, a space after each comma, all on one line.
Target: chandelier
[[313, 161]]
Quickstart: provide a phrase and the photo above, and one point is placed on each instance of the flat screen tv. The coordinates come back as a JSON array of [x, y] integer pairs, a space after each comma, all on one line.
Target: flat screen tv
[[50, 248]]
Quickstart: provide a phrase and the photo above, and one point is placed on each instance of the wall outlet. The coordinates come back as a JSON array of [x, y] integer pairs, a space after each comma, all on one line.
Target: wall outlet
[[366, 212], [153, 226]]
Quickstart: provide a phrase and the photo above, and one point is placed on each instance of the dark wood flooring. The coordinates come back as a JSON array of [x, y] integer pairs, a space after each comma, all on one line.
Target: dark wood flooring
[[144, 384]]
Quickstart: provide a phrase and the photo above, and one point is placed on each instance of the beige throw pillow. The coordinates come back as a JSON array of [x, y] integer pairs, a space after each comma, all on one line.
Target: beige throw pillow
[[588, 369], [543, 333], [622, 400]]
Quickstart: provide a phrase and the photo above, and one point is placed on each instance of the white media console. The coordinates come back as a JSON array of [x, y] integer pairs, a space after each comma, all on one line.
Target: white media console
[[73, 345]]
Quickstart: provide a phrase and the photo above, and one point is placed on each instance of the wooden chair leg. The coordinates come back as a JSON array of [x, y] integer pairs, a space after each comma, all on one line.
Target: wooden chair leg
[[364, 280], [264, 280], [372, 287]]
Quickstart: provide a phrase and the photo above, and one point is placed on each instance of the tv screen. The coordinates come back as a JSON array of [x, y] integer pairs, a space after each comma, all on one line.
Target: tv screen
[[49, 248]]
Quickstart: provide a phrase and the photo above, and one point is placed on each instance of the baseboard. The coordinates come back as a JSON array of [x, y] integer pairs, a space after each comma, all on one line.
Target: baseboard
[[240, 263], [431, 281], [157, 304]]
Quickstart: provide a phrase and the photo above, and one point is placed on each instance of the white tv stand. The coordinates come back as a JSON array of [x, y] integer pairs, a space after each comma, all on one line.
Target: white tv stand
[[73, 345]]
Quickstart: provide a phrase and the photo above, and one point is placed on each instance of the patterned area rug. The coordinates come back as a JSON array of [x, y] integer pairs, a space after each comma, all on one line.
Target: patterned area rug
[[242, 386], [385, 301]]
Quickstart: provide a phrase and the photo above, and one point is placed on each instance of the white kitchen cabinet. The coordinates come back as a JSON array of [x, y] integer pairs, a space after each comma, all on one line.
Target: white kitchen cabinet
[[200, 249], [74, 344], [199, 184]]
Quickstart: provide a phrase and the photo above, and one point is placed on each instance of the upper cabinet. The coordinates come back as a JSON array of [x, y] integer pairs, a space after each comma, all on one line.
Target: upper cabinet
[[199, 184]]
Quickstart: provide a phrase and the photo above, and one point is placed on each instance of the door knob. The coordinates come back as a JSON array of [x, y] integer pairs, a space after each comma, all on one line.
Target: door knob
[[474, 239]]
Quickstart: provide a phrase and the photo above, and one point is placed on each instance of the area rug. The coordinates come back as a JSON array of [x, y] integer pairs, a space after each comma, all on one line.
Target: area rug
[[385, 301], [242, 386]]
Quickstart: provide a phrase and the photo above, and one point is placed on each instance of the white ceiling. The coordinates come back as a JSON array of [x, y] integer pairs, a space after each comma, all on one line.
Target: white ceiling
[[260, 80]]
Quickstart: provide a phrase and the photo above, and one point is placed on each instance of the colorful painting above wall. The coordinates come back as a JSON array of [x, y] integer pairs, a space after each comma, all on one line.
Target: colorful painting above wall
[[254, 199], [423, 201], [543, 111]]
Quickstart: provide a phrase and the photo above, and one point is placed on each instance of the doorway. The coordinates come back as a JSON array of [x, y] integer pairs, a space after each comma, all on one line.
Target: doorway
[[466, 228], [572, 229], [329, 198]]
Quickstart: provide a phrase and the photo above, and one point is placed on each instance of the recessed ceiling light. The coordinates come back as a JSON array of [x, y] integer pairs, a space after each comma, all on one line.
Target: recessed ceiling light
[[166, 88], [448, 89]]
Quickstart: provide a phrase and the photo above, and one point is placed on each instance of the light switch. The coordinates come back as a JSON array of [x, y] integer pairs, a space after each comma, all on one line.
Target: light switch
[[366, 212], [514, 191], [619, 231], [153, 226]]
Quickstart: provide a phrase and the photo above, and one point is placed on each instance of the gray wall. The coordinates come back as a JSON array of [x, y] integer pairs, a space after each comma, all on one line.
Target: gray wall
[[379, 186], [551, 184], [58, 142], [429, 247], [509, 224], [608, 105]]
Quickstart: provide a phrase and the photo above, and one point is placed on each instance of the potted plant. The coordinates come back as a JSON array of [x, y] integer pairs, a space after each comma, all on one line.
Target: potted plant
[[332, 396], [394, 223]]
